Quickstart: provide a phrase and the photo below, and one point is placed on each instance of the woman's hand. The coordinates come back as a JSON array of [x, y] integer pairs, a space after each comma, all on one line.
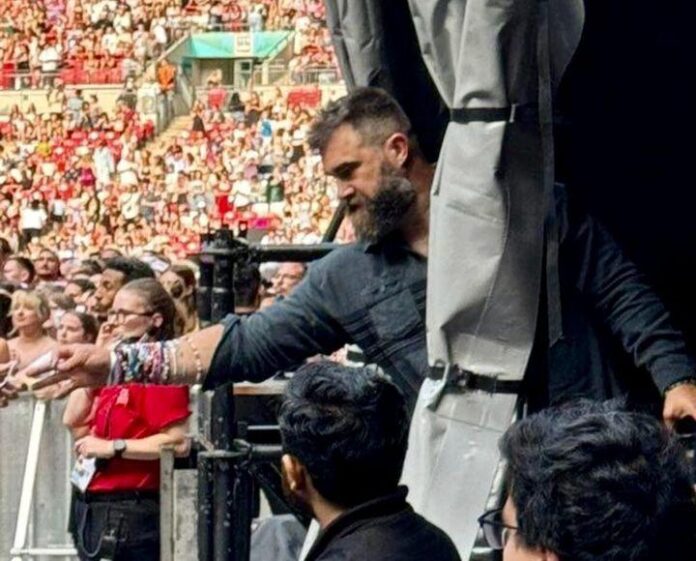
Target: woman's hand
[[92, 447], [9, 386], [107, 335]]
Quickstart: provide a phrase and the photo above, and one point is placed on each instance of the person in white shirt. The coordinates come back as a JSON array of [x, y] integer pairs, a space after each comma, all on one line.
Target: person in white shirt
[[32, 220], [49, 58], [109, 41]]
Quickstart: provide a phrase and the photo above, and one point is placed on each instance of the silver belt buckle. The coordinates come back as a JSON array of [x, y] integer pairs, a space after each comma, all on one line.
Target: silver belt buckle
[[461, 377]]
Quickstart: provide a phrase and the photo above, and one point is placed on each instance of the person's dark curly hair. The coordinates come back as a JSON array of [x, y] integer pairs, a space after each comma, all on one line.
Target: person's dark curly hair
[[132, 269], [593, 483], [348, 427]]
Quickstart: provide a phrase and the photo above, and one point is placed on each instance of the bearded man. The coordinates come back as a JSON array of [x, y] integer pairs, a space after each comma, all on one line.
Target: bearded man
[[372, 293]]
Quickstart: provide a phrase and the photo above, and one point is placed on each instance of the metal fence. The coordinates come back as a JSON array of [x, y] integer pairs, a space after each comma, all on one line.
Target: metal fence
[[46, 518], [35, 464]]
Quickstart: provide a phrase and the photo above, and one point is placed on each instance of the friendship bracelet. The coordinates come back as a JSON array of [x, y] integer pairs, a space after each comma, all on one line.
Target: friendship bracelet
[[139, 362], [153, 363]]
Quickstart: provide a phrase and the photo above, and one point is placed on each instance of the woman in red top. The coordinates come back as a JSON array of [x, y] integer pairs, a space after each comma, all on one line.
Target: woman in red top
[[116, 511]]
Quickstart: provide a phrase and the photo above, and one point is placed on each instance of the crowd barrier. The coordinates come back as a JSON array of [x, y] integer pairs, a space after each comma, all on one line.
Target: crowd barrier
[[35, 465], [43, 534]]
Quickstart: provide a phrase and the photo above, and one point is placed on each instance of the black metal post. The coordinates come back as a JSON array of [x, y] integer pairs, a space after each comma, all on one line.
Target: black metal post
[[242, 511], [222, 430], [222, 301], [336, 221], [205, 508], [225, 481], [205, 284]]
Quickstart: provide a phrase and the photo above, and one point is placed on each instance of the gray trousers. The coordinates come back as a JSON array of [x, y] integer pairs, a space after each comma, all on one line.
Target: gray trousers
[[453, 459]]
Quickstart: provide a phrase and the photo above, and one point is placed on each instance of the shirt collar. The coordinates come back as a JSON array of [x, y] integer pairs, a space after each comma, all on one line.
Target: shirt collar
[[381, 506]]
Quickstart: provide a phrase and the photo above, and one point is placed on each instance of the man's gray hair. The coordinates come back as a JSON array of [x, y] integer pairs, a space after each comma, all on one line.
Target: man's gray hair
[[372, 112]]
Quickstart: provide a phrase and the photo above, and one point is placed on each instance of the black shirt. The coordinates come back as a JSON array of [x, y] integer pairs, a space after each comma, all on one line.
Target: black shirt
[[385, 529]]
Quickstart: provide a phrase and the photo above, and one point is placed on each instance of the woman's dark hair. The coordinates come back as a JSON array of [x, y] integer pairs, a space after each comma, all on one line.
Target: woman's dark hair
[[185, 273], [85, 284], [188, 277], [157, 300], [6, 290], [89, 325]]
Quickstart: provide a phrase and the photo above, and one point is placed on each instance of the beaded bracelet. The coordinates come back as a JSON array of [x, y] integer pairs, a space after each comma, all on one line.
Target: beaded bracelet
[[152, 363], [197, 359]]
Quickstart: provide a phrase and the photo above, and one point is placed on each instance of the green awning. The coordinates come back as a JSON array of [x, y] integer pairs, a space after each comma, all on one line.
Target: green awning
[[262, 44]]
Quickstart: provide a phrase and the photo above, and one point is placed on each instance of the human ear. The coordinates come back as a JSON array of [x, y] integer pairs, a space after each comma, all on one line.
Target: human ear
[[397, 149], [157, 320], [295, 474]]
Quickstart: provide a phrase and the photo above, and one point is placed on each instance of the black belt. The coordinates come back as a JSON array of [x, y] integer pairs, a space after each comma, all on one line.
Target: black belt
[[115, 496], [464, 380], [526, 113]]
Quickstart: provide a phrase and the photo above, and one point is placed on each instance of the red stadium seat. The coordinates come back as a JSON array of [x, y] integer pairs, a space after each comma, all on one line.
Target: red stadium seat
[[307, 97], [7, 75], [68, 75]]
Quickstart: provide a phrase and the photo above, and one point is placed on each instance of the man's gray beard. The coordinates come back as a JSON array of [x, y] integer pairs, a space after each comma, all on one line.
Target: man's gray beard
[[386, 212]]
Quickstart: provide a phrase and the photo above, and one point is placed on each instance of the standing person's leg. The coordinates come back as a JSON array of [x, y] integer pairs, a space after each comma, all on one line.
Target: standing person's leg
[[26, 237], [90, 521], [138, 530]]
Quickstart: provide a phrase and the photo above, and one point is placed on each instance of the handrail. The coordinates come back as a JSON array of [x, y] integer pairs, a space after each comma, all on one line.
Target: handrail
[[186, 89], [19, 545]]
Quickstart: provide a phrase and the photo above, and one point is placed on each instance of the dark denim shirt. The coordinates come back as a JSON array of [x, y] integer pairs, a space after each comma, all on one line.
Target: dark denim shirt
[[370, 295], [374, 296]]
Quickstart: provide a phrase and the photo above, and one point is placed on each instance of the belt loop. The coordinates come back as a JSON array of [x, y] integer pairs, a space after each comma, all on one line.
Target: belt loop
[[513, 113]]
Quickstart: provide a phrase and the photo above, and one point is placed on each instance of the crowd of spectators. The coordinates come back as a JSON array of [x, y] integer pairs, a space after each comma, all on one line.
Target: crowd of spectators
[[105, 41], [81, 41], [78, 178]]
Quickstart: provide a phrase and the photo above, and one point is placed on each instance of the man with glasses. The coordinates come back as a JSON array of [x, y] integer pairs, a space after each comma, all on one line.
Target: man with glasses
[[591, 483]]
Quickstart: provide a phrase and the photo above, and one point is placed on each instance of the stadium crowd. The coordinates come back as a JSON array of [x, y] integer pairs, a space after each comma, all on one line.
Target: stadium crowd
[[105, 41], [77, 179], [92, 229]]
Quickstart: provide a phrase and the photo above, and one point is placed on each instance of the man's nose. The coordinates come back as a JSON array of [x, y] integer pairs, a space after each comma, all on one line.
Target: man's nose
[[345, 190]]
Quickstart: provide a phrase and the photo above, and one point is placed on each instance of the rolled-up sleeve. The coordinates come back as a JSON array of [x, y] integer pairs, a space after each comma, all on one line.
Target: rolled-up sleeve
[[254, 347], [628, 306]]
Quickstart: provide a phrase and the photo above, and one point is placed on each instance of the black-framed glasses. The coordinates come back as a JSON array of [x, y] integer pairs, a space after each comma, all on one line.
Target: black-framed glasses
[[495, 531], [119, 316]]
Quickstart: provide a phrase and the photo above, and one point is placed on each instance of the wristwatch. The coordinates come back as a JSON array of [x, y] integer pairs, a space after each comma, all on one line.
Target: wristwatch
[[119, 447]]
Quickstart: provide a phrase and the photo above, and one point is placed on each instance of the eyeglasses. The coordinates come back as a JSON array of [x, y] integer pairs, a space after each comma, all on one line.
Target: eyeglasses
[[495, 531], [119, 316]]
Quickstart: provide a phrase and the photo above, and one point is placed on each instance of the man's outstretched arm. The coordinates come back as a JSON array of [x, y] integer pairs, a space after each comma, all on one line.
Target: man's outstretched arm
[[250, 348]]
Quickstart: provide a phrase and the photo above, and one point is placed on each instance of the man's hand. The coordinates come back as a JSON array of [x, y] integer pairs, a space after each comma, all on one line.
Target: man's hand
[[680, 402], [92, 447], [82, 365]]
